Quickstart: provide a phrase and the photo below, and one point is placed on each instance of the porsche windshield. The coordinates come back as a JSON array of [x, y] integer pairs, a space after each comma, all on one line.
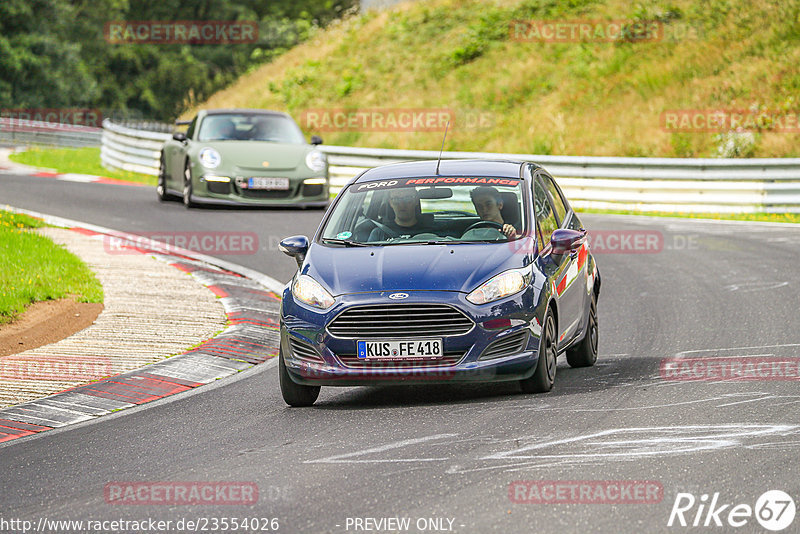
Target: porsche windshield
[[249, 127], [428, 210]]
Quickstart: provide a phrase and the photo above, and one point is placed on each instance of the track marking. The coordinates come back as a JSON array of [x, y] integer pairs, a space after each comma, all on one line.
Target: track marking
[[345, 458], [749, 287], [636, 443], [758, 347]]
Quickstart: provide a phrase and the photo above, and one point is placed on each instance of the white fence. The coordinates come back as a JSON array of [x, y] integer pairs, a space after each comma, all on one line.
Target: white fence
[[642, 184]]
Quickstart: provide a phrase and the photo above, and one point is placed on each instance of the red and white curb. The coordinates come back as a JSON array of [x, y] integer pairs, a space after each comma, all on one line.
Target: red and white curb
[[85, 178], [251, 301]]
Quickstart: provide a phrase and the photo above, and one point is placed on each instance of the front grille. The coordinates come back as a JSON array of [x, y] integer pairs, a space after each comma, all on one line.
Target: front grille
[[305, 352], [265, 193], [400, 321], [354, 362], [507, 346], [313, 190], [221, 188]]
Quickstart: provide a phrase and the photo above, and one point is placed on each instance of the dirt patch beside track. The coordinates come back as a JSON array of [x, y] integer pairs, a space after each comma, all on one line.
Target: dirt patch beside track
[[47, 322]]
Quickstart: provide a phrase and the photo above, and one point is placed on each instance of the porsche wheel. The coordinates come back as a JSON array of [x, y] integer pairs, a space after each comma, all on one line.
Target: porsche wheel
[[187, 186], [161, 188]]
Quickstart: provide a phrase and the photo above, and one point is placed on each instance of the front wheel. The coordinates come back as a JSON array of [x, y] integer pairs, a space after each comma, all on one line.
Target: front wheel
[[545, 374], [585, 353], [161, 188], [295, 394], [187, 186]]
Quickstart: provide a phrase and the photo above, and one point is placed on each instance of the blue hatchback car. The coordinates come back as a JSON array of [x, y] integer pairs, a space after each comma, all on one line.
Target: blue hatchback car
[[439, 272]]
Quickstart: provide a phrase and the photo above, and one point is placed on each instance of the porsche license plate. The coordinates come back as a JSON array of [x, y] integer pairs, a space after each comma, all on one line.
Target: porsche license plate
[[280, 184]]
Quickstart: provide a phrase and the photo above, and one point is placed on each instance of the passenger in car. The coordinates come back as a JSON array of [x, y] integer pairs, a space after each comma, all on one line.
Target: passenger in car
[[407, 217], [488, 205]]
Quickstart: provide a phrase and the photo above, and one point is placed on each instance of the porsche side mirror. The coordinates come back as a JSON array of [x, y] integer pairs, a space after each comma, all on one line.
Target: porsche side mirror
[[566, 241], [179, 136], [296, 247], [316, 140]]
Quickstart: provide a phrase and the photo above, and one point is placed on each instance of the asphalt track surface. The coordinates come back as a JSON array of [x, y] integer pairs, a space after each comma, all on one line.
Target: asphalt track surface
[[708, 290]]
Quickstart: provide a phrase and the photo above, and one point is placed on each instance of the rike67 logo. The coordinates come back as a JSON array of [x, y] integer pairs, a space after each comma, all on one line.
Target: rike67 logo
[[774, 510]]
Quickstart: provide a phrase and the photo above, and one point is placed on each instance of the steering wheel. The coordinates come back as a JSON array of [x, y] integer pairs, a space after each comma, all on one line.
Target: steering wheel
[[480, 224], [388, 231]]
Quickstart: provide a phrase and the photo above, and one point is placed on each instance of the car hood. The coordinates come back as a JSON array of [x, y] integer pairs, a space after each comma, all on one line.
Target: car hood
[[460, 267], [251, 155]]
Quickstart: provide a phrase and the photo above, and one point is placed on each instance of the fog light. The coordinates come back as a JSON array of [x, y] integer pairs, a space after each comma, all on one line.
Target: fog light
[[313, 187]]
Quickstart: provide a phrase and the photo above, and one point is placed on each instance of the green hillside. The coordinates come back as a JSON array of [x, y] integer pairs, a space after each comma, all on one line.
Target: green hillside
[[511, 94]]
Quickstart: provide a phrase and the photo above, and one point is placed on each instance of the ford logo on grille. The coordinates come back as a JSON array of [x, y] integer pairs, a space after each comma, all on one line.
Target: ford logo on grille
[[398, 296]]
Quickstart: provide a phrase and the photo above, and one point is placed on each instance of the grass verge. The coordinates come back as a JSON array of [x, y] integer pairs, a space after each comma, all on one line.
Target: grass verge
[[757, 217], [78, 161], [511, 94], [33, 268]]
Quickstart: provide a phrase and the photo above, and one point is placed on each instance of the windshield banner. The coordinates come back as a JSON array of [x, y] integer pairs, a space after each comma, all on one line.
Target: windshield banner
[[437, 180]]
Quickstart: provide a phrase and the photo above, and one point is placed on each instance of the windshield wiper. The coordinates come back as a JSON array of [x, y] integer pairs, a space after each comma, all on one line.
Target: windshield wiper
[[345, 242]]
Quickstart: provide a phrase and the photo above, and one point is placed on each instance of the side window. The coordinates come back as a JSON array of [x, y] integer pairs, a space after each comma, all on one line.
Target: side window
[[575, 222], [190, 131], [539, 243], [545, 215], [558, 202]]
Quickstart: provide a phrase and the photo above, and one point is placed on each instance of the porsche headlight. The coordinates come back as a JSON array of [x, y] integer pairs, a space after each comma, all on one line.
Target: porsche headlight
[[504, 284], [316, 161], [307, 290], [210, 158]]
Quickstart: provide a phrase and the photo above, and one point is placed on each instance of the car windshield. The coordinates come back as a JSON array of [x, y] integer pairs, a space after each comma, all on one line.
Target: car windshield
[[249, 127], [427, 210]]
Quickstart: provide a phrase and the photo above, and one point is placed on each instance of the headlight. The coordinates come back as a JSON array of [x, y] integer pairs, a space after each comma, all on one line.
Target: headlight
[[210, 158], [316, 161], [502, 285], [307, 290]]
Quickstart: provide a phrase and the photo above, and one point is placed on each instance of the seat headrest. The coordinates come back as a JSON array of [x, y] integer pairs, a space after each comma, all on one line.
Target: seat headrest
[[511, 210]]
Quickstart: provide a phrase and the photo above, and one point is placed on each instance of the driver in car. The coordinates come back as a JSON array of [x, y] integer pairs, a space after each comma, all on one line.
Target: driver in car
[[221, 130], [488, 203], [407, 215]]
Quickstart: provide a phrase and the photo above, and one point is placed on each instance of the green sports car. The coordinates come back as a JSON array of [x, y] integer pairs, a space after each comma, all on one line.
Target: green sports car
[[243, 156]]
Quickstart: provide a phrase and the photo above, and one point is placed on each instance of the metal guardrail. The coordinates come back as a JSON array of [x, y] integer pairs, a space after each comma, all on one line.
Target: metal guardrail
[[15, 131], [131, 149], [641, 184]]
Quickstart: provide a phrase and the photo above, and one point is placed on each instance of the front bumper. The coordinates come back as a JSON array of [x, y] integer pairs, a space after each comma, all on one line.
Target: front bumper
[[462, 361], [232, 193]]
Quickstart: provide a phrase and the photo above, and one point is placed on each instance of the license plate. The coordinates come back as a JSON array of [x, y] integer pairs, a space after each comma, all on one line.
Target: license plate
[[400, 349], [268, 183]]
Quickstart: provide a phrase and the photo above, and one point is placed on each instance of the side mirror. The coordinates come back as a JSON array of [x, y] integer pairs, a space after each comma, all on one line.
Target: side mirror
[[567, 241], [316, 140], [179, 136], [296, 247]]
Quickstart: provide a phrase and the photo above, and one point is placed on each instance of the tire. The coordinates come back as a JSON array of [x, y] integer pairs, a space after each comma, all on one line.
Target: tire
[[295, 394], [545, 374], [161, 188], [187, 186], [584, 354]]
